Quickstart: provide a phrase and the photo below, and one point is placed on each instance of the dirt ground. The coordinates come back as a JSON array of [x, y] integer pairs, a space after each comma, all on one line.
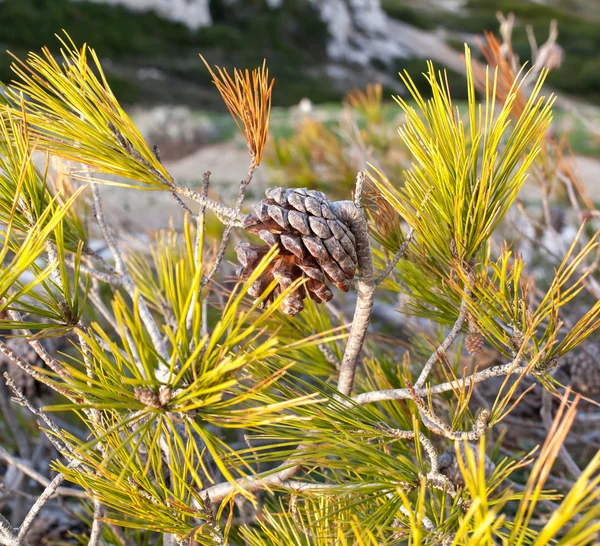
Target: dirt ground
[[228, 163]]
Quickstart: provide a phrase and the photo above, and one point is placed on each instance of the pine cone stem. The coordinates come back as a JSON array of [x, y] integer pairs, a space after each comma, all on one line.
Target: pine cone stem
[[355, 218]]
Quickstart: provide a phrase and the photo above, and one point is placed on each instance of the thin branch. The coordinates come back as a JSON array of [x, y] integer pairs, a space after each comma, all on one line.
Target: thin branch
[[437, 425], [10, 419], [129, 285], [8, 534], [274, 478], [226, 234], [27, 368], [404, 394], [19, 398], [329, 355], [25, 467], [445, 345], [50, 491], [394, 261], [200, 230], [96, 525], [354, 217], [359, 188], [109, 278], [225, 214], [39, 349]]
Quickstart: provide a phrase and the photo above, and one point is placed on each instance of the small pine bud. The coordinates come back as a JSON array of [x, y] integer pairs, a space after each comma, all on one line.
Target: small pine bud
[[147, 397], [474, 343], [164, 396]]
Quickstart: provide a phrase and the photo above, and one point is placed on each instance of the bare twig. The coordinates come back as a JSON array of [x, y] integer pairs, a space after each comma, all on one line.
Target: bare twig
[[227, 233], [200, 230], [26, 367], [445, 345], [50, 491], [404, 394], [348, 212], [394, 261], [438, 426], [26, 468], [129, 285], [274, 478], [96, 525], [8, 535], [39, 349], [358, 190], [54, 438]]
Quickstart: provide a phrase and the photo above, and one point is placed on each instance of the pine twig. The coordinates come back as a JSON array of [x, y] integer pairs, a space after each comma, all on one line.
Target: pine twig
[[96, 525], [200, 230], [354, 217], [394, 261], [129, 285], [19, 398], [39, 349], [436, 424], [8, 534], [27, 368], [404, 394], [445, 345], [227, 233], [50, 491]]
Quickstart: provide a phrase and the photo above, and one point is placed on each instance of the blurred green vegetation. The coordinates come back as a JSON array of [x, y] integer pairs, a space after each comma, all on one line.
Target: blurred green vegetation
[[578, 26], [292, 38]]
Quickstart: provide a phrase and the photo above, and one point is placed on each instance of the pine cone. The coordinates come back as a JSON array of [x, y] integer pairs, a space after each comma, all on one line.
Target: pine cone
[[450, 467], [313, 244], [584, 367]]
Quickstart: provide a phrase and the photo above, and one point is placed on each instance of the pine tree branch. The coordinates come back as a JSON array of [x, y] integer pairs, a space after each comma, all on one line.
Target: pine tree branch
[[50, 491], [109, 278], [130, 287], [8, 536], [394, 261], [39, 349], [25, 467], [264, 480], [27, 368], [96, 525], [445, 345], [354, 217], [404, 394], [227, 233], [200, 232]]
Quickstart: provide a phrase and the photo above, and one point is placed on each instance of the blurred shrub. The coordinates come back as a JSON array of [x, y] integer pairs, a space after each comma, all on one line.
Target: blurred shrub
[[292, 37], [579, 35], [326, 154]]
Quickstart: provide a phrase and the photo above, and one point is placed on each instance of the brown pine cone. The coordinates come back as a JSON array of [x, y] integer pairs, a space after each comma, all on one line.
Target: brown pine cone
[[584, 367], [313, 244]]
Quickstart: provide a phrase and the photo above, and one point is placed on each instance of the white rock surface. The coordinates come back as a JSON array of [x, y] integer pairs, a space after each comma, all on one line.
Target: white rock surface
[[359, 31]]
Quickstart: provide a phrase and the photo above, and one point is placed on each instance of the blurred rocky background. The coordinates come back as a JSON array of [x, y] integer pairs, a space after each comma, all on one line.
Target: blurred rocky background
[[317, 50]]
